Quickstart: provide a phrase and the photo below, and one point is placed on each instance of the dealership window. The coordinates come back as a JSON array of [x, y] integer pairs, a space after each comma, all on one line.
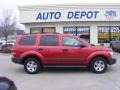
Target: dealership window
[[81, 31], [49, 40], [70, 30], [49, 29], [108, 33], [34, 30]]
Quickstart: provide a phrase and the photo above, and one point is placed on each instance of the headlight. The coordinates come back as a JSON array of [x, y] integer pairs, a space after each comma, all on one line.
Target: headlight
[[111, 54]]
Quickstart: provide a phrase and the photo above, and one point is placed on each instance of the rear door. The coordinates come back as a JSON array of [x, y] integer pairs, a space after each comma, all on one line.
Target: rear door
[[49, 48]]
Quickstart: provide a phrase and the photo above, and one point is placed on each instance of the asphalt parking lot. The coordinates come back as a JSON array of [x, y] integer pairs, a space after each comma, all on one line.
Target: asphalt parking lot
[[58, 79]]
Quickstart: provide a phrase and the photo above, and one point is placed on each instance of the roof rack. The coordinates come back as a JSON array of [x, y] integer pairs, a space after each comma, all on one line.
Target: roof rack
[[41, 33], [49, 33]]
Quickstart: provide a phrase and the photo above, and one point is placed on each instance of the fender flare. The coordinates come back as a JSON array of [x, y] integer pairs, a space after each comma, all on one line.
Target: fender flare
[[98, 54], [33, 53]]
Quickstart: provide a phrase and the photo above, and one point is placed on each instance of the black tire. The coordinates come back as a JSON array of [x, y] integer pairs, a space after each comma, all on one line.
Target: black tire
[[98, 65], [32, 65]]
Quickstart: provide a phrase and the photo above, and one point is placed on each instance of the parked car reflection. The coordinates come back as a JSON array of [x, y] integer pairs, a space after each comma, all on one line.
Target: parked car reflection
[[115, 45], [7, 47]]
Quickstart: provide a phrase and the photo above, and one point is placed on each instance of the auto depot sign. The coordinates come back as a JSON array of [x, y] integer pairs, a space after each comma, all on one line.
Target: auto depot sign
[[70, 15]]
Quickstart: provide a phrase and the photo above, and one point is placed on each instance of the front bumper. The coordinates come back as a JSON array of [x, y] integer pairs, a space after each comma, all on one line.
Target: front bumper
[[17, 60], [111, 61]]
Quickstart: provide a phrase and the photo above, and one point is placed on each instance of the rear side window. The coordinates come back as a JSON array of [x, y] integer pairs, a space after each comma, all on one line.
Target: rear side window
[[49, 40], [28, 40]]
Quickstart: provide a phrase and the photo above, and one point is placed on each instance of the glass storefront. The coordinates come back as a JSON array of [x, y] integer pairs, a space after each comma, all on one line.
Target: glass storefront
[[81, 31], [49, 29], [70, 30], [108, 33], [35, 30]]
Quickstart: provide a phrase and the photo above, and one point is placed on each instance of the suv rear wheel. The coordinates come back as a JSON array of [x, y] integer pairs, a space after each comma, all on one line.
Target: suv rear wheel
[[98, 65], [32, 65]]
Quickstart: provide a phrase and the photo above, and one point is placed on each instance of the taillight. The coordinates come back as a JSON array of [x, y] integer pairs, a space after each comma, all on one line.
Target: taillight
[[14, 52]]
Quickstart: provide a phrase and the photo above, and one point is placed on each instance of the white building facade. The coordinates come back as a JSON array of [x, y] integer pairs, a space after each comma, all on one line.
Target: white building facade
[[96, 23]]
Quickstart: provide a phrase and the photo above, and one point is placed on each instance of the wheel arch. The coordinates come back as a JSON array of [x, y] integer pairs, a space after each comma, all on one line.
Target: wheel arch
[[32, 56], [98, 57]]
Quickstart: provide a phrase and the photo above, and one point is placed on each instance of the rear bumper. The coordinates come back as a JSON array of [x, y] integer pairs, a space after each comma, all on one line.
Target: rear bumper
[[111, 61], [17, 60]]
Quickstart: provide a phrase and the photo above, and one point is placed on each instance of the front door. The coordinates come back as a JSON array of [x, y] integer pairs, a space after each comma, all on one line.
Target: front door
[[72, 53]]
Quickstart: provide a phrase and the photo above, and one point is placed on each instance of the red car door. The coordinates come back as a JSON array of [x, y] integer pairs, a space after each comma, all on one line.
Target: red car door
[[61, 50], [72, 53], [49, 48]]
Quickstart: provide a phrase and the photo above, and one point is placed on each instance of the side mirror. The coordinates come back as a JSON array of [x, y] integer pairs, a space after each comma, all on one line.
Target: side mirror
[[82, 45]]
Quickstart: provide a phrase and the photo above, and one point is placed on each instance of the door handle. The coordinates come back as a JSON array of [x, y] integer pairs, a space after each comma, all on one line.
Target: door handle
[[40, 49], [65, 49]]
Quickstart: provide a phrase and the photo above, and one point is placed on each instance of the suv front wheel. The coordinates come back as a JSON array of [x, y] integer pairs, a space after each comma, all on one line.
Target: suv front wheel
[[98, 65], [32, 65]]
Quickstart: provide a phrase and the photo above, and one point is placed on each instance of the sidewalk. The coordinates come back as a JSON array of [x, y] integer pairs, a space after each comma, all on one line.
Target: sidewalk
[[5, 54]]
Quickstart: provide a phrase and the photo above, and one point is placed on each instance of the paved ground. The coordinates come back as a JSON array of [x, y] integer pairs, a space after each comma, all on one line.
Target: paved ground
[[61, 79]]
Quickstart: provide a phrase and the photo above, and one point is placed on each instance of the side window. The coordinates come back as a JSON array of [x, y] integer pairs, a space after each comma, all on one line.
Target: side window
[[70, 41], [49, 40], [28, 40]]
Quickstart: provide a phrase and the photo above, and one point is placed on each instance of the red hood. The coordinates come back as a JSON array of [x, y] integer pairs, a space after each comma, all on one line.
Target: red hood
[[97, 47]]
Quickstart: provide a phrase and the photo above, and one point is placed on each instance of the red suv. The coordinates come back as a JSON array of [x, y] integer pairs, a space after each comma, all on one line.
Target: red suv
[[37, 51]]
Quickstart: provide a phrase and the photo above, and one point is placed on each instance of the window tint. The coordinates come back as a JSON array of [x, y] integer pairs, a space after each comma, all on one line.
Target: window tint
[[28, 40], [49, 40], [70, 41]]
